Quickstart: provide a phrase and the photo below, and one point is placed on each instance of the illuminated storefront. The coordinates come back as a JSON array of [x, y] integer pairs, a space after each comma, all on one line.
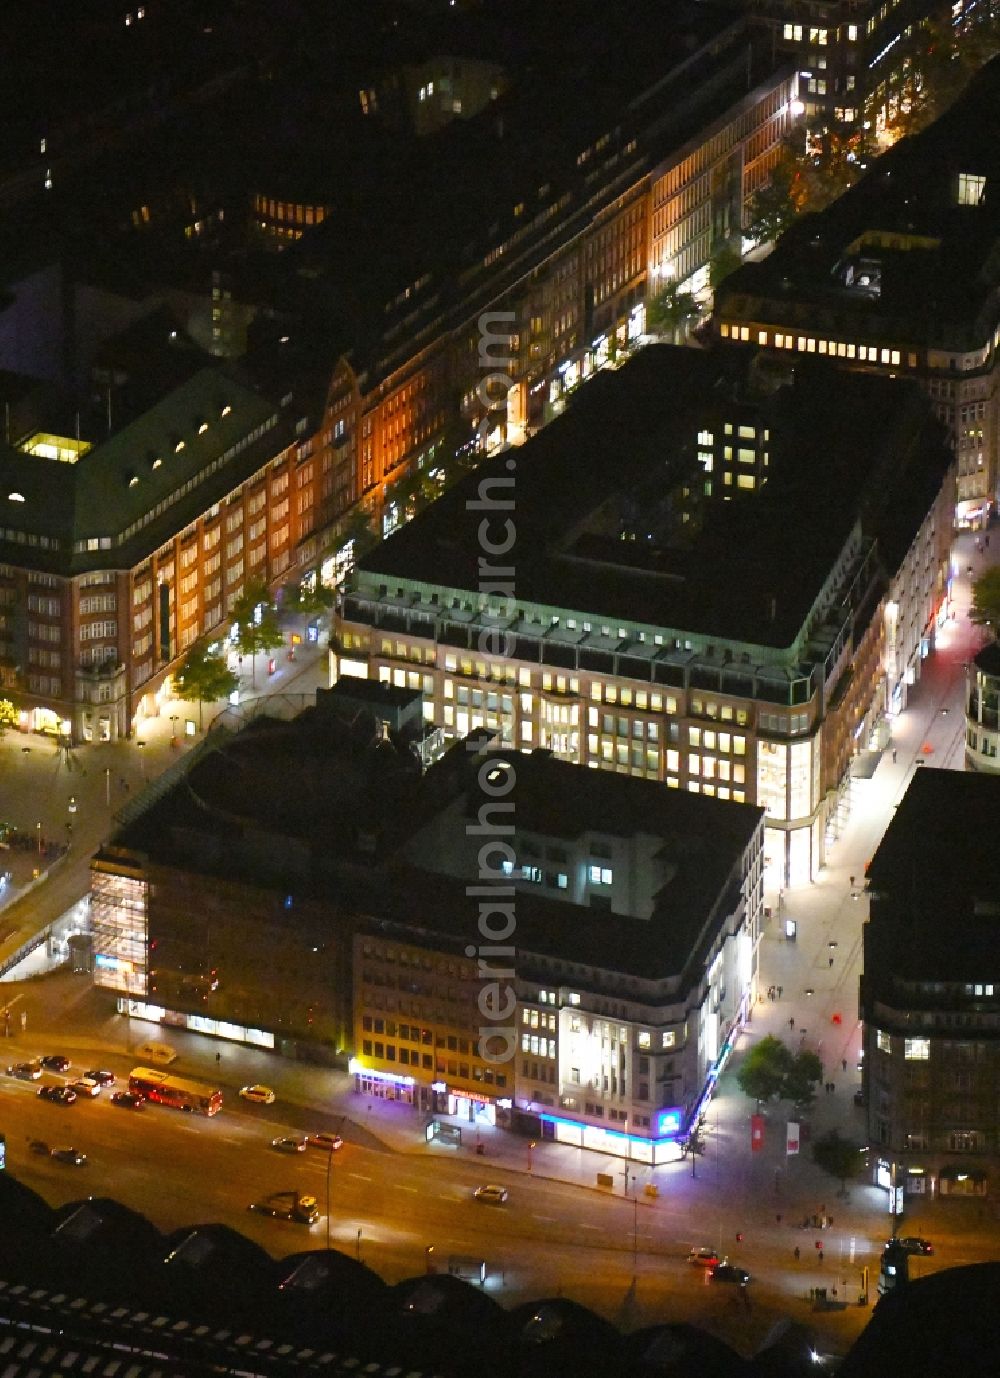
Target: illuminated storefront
[[197, 1023]]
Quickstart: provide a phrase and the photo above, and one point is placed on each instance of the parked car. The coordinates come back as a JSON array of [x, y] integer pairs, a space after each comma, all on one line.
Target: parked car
[[728, 1272], [25, 1071], [103, 1078], [128, 1100], [289, 1143], [260, 1095], [911, 1244], [703, 1258], [55, 1062], [58, 1095], [491, 1194], [329, 1142], [86, 1087]]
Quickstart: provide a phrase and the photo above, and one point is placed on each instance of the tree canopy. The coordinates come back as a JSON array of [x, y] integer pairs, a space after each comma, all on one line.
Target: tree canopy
[[771, 1071], [764, 1069], [257, 622], [307, 600], [836, 1156], [8, 716], [204, 678], [669, 309], [985, 610]]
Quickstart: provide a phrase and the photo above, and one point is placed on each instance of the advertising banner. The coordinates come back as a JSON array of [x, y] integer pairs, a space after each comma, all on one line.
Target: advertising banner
[[791, 1138], [756, 1133]]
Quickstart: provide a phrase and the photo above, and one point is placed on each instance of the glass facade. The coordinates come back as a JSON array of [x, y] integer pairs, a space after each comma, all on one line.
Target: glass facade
[[119, 907]]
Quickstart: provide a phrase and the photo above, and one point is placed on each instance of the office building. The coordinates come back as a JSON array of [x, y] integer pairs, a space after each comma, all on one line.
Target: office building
[[982, 712], [706, 554], [930, 990], [900, 277]]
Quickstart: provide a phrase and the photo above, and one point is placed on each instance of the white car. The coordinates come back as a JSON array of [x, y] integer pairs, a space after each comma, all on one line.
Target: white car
[[329, 1143], [86, 1086], [491, 1194], [260, 1095]]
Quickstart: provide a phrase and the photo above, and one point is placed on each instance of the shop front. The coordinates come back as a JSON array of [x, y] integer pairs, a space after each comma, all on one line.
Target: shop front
[[385, 1085]]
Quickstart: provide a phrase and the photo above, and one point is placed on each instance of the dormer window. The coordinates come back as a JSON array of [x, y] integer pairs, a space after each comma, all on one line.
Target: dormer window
[[155, 462], [226, 410], [133, 479], [203, 428], [971, 189], [178, 447]]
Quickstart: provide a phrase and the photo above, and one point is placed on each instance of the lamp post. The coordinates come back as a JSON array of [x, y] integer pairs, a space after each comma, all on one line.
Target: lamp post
[[142, 759], [38, 835], [107, 786], [531, 1145], [173, 729]]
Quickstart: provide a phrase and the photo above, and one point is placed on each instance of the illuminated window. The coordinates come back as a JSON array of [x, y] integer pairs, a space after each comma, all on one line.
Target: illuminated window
[[970, 189], [883, 1041], [916, 1049], [644, 1039], [601, 875]]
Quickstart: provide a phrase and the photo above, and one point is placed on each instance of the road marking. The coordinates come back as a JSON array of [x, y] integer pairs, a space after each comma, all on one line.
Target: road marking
[[360, 1176], [549, 1219], [590, 1227], [399, 1187], [228, 1139]]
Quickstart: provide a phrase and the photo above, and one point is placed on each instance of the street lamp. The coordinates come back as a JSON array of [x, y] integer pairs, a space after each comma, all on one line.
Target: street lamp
[[531, 1145], [142, 759], [38, 835], [107, 786]]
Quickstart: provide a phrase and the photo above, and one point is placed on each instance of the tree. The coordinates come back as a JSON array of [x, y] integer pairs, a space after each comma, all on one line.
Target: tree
[[725, 260], [8, 716], [257, 622], [204, 678], [776, 204], [307, 600], [669, 310], [945, 57], [985, 609], [838, 1157], [803, 1076], [764, 1069]]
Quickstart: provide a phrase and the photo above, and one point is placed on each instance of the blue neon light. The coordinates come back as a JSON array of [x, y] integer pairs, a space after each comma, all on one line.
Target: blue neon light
[[667, 1134]]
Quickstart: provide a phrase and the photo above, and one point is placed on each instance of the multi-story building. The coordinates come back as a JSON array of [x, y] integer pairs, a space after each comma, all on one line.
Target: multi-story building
[[901, 277], [305, 890], [982, 712], [694, 589], [593, 187], [852, 55], [630, 966], [930, 992], [117, 554]]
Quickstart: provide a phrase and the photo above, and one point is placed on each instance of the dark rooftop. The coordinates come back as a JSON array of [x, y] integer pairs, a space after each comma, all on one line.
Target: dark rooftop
[[897, 256], [840, 454], [702, 844], [935, 909]]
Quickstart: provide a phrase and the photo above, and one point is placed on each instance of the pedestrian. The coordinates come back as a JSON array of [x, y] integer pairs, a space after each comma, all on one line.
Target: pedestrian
[[829, 961], [739, 1236], [852, 882], [777, 1218], [817, 1244], [821, 1255], [796, 1253], [843, 1063], [780, 989], [893, 755], [791, 1022]]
